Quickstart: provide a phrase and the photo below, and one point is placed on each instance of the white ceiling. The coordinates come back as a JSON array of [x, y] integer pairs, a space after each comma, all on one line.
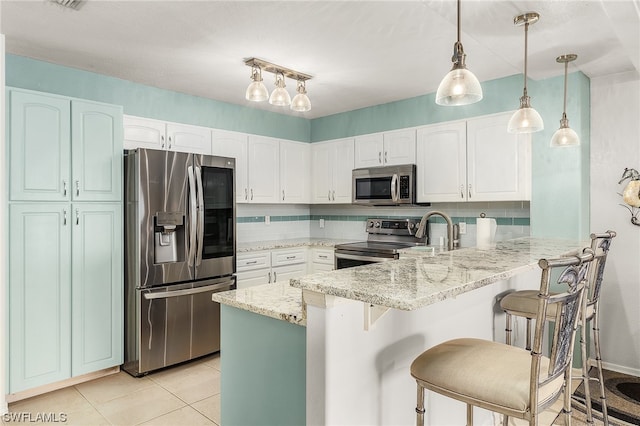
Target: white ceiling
[[360, 53]]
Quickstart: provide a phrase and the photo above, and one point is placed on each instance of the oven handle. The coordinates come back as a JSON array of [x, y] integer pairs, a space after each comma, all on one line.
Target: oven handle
[[188, 291], [364, 258], [394, 187]]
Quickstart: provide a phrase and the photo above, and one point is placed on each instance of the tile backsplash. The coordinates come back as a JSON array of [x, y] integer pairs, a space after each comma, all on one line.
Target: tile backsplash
[[273, 222]]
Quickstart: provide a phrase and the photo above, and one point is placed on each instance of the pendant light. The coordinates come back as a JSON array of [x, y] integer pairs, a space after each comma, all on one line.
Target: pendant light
[[459, 86], [565, 136], [525, 119], [301, 102], [256, 92], [280, 96]]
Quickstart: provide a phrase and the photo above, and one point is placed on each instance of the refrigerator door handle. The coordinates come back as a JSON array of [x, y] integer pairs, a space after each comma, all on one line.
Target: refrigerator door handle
[[192, 214], [200, 227], [189, 291]]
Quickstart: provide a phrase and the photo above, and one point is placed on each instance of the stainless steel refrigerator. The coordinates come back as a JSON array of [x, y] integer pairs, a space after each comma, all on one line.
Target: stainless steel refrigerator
[[180, 228]]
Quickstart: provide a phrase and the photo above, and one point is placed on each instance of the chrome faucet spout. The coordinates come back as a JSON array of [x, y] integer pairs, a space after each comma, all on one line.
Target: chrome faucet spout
[[422, 227]]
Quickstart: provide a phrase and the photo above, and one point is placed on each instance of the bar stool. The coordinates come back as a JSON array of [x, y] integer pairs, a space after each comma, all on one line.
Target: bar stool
[[524, 303], [507, 379]]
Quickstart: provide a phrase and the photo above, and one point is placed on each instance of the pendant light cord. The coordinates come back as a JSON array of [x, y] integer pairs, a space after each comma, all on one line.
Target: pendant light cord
[[564, 105], [526, 31], [458, 21]]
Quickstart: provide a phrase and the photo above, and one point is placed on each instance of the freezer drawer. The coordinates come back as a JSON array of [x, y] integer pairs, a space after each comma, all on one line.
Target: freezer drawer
[[173, 324]]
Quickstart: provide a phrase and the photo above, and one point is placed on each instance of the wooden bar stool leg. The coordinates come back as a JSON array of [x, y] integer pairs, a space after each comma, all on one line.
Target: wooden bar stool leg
[[420, 407], [469, 415]]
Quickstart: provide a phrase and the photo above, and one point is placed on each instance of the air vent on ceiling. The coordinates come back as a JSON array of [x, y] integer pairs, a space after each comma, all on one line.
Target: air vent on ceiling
[[71, 4]]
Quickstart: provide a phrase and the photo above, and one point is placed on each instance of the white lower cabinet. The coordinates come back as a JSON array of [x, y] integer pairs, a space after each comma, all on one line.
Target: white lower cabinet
[[270, 266], [322, 260]]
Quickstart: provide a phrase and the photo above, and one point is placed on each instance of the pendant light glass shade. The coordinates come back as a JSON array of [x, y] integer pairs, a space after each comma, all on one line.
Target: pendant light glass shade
[[525, 119], [280, 96], [301, 102], [565, 136], [257, 91], [459, 86]]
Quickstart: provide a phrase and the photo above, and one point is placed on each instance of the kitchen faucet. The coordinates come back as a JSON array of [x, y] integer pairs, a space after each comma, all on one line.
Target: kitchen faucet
[[452, 230]]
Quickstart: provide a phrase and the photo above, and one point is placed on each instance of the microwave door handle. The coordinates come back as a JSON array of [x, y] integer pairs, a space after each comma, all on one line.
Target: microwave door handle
[[394, 187], [192, 214], [200, 227]]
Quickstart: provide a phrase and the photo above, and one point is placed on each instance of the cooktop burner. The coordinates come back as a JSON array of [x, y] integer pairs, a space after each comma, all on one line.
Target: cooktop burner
[[386, 236]]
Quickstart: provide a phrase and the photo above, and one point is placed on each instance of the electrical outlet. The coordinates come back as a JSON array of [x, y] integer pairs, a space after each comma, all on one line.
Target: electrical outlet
[[321, 223], [463, 228], [267, 220]]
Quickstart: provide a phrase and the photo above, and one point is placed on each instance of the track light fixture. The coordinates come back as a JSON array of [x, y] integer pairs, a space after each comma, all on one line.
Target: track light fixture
[[257, 92]]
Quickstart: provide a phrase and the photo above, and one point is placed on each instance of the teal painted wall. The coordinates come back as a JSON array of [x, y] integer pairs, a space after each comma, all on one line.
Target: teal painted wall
[[263, 368], [151, 102]]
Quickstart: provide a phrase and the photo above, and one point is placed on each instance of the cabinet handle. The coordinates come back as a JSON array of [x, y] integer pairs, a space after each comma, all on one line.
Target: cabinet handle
[[290, 257], [251, 194], [162, 141], [245, 194], [329, 196], [64, 188], [269, 282], [169, 142], [275, 277], [380, 157], [469, 191], [385, 157], [283, 195], [253, 262], [64, 217], [323, 256], [77, 217], [461, 193], [77, 188], [334, 195]]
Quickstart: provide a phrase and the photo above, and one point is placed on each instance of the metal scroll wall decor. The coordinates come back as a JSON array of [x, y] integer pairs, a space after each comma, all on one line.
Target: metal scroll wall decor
[[631, 193]]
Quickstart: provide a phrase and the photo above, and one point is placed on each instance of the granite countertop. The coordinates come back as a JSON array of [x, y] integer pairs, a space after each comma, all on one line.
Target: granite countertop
[[415, 281], [295, 242], [277, 300]]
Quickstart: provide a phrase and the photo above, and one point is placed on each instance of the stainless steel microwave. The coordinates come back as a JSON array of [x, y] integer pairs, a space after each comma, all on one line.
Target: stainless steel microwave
[[384, 186]]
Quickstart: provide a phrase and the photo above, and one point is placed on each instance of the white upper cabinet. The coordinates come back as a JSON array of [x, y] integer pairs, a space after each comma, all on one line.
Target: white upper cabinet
[[473, 160], [148, 133], [331, 167], [498, 162], [295, 177], [385, 149], [263, 164], [234, 145]]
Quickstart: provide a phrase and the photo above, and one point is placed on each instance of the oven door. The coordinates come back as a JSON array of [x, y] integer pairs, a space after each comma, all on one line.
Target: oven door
[[353, 258]]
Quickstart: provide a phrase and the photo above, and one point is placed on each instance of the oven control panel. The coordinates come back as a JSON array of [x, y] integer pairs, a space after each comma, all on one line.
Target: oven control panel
[[393, 226]]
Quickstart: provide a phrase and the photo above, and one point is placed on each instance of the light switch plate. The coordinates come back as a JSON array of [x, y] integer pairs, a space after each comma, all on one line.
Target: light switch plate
[[321, 223], [463, 228], [267, 220]]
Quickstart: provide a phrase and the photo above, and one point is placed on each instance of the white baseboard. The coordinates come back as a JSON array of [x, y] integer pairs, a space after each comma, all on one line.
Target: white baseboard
[[621, 369]]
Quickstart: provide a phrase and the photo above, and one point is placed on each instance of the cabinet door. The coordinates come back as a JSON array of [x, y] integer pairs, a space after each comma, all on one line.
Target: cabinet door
[[322, 172], [498, 164], [342, 171], [143, 133], [295, 158], [234, 145], [185, 138], [441, 163], [264, 172], [369, 151], [399, 147], [285, 273], [97, 301], [39, 294], [96, 154], [252, 278], [39, 144]]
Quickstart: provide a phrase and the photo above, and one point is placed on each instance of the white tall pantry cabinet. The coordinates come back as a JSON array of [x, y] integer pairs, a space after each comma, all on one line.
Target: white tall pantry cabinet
[[65, 239]]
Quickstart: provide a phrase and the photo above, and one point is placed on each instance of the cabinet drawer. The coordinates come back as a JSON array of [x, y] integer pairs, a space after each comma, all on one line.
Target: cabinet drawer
[[253, 260], [288, 257], [323, 256]]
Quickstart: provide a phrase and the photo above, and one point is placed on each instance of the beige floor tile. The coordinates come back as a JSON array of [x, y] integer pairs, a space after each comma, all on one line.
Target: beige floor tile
[[111, 387], [191, 383], [210, 407], [185, 416], [89, 416], [64, 400], [149, 403], [213, 361]]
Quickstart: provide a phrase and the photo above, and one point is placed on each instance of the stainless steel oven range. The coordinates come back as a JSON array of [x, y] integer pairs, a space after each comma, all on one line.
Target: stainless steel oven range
[[385, 238]]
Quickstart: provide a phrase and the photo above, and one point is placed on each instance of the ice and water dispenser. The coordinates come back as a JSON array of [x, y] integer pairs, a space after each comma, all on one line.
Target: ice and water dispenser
[[169, 232]]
